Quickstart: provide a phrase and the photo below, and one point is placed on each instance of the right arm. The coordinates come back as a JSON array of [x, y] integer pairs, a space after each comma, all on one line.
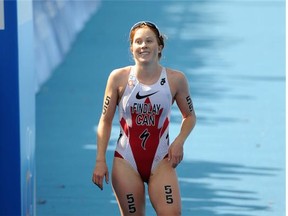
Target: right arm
[[104, 130]]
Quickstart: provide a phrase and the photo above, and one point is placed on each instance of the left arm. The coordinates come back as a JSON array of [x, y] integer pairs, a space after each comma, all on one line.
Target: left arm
[[185, 104]]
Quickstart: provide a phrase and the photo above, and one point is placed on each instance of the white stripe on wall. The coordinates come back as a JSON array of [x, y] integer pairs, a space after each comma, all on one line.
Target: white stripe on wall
[[2, 23]]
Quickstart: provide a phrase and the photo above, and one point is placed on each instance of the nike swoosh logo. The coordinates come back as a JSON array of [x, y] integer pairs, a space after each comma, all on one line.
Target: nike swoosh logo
[[138, 96]]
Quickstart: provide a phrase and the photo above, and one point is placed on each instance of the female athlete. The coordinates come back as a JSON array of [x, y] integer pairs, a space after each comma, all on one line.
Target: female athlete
[[144, 94]]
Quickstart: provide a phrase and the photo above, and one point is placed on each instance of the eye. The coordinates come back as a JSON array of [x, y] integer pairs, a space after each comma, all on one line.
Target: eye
[[138, 42]]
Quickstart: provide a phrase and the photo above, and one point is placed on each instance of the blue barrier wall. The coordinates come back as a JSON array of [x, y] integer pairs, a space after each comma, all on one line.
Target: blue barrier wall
[[17, 109], [10, 191], [27, 58]]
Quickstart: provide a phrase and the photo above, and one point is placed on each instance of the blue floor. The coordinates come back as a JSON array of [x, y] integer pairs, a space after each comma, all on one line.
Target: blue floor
[[233, 53]]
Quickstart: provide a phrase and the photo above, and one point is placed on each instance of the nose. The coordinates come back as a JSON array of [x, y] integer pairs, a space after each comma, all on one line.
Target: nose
[[144, 44]]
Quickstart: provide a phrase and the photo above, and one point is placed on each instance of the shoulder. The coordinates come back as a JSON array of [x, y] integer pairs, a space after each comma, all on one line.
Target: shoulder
[[177, 82], [120, 72], [119, 75], [175, 76]]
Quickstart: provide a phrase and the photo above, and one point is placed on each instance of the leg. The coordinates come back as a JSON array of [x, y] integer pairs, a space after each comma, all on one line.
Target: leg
[[164, 190], [129, 188]]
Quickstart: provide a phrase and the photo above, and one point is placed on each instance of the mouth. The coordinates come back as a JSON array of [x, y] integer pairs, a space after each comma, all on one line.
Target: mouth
[[144, 53]]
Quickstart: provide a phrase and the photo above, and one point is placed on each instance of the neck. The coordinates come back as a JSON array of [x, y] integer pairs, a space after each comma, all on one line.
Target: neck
[[148, 74], [147, 69]]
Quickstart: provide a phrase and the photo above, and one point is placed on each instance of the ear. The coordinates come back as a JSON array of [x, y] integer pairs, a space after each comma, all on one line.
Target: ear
[[160, 48]]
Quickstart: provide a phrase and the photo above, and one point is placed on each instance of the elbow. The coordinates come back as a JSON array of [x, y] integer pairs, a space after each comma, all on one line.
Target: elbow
[[194, 119], [191, 119]]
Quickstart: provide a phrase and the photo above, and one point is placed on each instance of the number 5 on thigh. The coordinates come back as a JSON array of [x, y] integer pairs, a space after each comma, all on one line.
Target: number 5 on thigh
[[164, 191], [131, 203], [168, 194]]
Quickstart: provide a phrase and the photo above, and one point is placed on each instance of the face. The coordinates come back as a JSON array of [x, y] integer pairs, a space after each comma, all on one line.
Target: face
[[145, 47]]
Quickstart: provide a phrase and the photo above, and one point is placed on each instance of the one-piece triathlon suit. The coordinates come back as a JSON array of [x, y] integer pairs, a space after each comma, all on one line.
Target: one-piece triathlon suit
[[144, 115]]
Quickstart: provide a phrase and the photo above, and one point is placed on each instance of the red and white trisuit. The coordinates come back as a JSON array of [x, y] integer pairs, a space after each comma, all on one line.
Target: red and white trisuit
[[144, 115]]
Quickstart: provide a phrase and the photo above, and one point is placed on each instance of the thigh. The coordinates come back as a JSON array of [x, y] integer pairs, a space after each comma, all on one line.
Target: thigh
[[128, 187], [164, 190]]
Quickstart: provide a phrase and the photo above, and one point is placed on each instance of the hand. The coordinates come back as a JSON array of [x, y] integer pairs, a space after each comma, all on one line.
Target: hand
[[175, 153], [100, 171]]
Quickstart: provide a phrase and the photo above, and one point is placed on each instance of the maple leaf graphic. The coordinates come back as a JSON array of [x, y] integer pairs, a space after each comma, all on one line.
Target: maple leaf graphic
[[144, 138]]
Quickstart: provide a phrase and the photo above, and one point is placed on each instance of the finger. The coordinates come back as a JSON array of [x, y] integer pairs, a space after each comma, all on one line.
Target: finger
[[94, 179], [107, 178], [98, 182], [179, 160], [175, 161], [99, 185], [174, 165]]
